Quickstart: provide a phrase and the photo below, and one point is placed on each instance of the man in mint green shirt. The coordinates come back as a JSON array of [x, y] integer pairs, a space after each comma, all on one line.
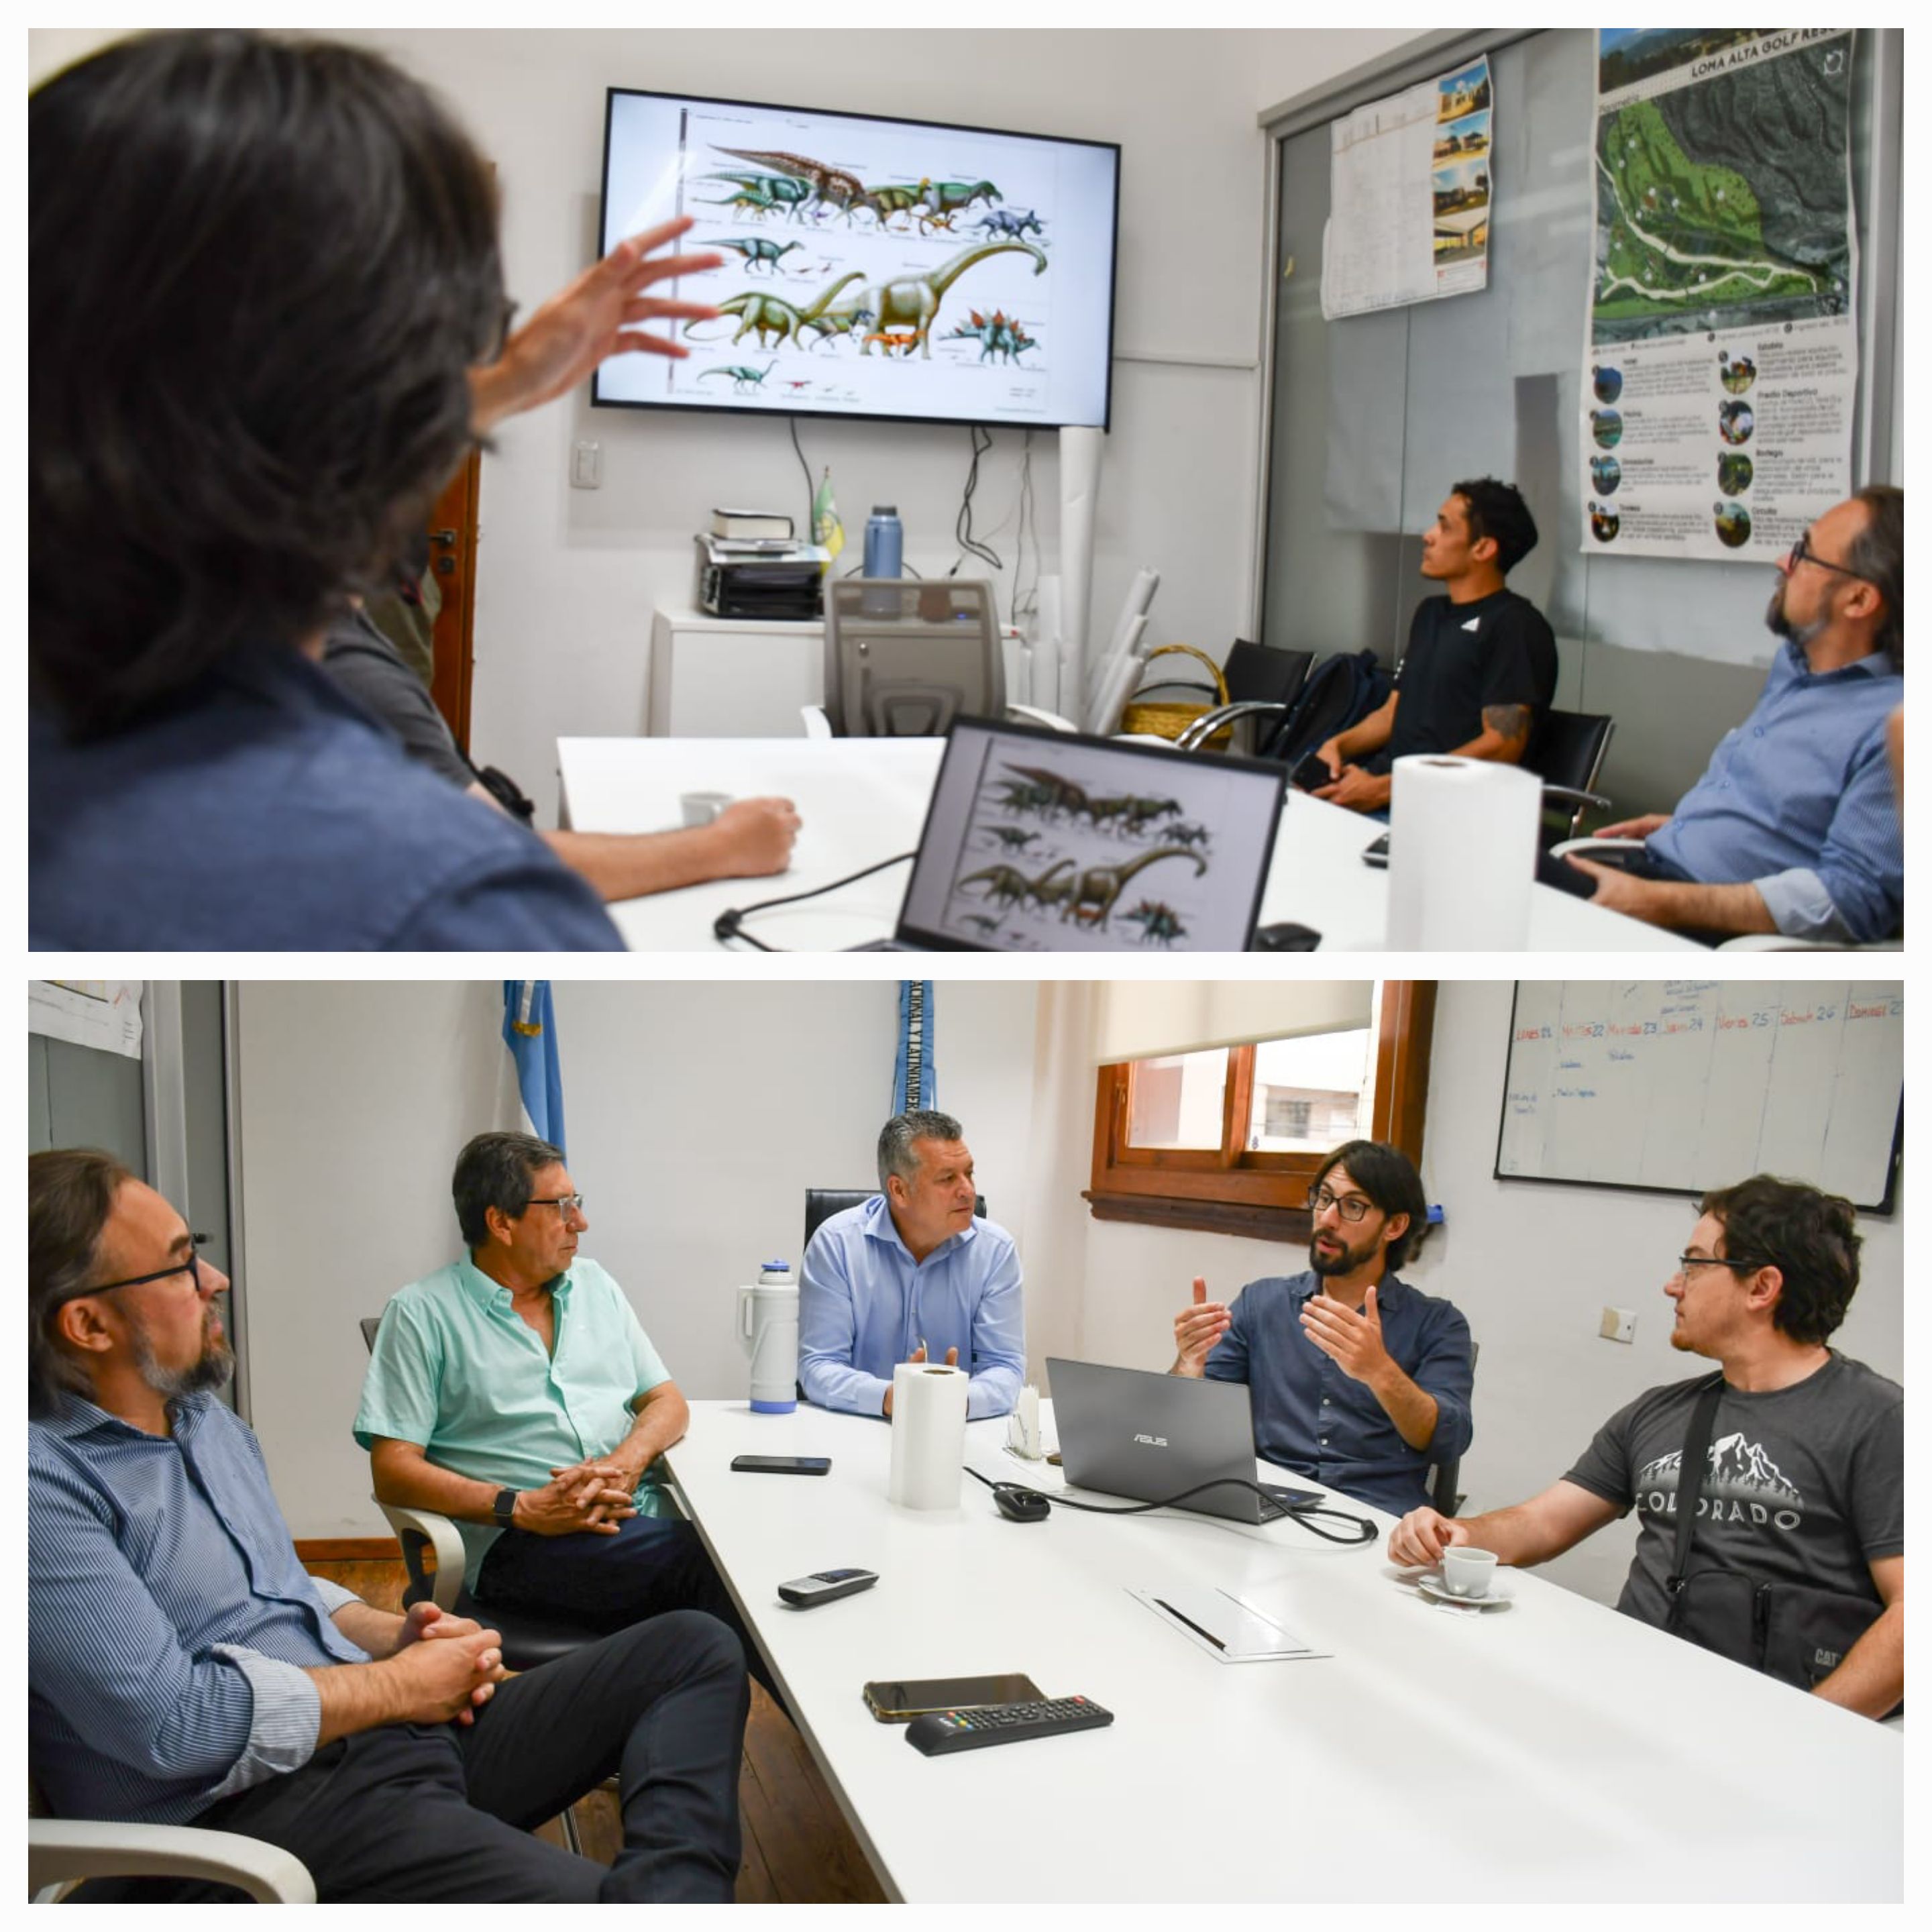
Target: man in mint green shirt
[[517, 1392]]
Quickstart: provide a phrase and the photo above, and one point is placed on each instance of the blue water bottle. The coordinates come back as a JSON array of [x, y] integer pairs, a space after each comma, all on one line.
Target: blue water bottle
[[885, 541]]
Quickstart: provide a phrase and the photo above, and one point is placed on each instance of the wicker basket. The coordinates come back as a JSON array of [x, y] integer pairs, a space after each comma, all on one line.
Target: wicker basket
[[1164, 718]]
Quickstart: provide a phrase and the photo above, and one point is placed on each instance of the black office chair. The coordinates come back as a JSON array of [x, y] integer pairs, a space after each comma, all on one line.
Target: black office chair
[[1261, 683], [821, 1203], [1567, 753], [1443, 1478]]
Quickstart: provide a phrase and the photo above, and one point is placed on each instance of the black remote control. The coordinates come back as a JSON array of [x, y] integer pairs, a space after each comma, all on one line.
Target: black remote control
[[804, 1593], [938, 1732]]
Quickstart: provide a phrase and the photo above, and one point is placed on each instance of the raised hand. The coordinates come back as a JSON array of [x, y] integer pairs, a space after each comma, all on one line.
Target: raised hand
[[1196, 1329], [1353, 1342]]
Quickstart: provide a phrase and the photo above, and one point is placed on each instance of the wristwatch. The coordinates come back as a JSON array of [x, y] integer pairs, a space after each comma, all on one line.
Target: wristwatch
[[503, 1508]]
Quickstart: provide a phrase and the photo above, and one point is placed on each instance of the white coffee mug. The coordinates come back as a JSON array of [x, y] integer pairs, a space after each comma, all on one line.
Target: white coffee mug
[[700, 808], [1468, 1573]]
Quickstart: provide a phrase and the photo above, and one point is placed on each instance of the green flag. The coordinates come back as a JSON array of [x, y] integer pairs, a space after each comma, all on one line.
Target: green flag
[[825, 527]]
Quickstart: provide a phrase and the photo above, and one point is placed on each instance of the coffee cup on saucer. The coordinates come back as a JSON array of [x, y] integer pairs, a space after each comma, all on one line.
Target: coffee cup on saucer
[[1468, 1573]]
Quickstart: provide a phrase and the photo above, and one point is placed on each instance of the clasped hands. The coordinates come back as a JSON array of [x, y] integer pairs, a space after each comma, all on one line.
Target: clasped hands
[[449, 1666], [594, 1496], [1349, 785]]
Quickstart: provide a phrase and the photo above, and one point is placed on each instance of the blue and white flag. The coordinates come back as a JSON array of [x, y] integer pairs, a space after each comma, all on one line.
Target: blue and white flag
[[915, 1080], [529, 1031]]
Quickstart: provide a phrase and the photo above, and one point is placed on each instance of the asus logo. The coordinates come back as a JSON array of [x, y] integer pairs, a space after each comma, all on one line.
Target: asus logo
[[1153, 1441]]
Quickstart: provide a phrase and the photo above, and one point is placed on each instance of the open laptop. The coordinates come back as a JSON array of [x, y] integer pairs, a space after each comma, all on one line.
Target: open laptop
[[1041, 840], [1130, 1432]]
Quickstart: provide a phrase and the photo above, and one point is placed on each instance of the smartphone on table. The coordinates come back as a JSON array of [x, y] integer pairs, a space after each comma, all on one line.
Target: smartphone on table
[[894, 1703], [781, 1465]]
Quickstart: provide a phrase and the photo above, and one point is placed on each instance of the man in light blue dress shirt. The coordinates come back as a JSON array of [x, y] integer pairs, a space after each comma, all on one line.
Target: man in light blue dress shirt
[[911, 1275], [182, 1667], [1794, 827]]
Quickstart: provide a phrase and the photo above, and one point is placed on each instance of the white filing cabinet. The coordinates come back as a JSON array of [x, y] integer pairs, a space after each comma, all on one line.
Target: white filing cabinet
[[732, 677]]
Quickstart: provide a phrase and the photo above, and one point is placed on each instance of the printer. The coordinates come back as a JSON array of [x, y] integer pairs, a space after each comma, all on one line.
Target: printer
[[774, 580]]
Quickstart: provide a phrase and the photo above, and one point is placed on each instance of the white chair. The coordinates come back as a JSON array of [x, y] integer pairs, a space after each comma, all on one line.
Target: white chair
[[61, 1851]]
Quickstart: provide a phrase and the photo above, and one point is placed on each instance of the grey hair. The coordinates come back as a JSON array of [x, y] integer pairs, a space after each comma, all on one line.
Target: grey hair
[[897, 1135], [71, 1194], [1877, 553]]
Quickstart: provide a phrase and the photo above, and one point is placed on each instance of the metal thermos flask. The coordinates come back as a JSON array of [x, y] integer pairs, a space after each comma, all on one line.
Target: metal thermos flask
[[885, 541]]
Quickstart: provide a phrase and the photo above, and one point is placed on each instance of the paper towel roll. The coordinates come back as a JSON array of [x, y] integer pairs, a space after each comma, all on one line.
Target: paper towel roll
[[1462, 855], [928, 1434]]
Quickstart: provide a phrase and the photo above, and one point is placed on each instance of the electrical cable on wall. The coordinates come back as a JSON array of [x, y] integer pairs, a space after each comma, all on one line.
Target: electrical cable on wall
[[915, 1083], [969, 545]]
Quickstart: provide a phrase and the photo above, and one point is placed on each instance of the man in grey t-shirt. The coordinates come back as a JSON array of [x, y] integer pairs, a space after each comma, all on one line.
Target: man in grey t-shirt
[[1805, 1481]]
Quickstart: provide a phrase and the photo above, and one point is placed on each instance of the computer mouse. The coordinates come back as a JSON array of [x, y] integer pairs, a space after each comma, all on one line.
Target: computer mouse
[[1018, 1505], [1286, 937]]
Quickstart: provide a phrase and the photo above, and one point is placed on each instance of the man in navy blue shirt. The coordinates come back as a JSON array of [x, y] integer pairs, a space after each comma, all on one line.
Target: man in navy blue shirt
[[1356, 1378], [184, 1668], [1794, 827], [217, 469]]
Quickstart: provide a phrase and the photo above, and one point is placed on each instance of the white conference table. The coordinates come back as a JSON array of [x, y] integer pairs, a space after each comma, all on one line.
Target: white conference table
[[1553, 1751], [862, 799]]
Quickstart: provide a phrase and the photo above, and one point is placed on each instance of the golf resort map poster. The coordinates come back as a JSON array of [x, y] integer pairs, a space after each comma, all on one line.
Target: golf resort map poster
[[1722, 357], [1409, 196]]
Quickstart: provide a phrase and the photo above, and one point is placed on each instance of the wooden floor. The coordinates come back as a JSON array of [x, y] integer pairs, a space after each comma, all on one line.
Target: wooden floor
[[799, 1849]]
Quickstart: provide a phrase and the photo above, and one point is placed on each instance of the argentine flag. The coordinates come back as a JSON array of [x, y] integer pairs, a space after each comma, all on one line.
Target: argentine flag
[[529, 1031]]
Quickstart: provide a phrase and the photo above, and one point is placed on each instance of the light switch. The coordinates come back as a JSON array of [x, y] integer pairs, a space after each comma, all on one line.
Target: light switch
[[1619, 1324], [586, 466]]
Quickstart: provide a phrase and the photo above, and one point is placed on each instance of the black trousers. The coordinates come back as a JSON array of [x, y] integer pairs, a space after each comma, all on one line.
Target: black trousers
[[444, 1812], [653, 1565]]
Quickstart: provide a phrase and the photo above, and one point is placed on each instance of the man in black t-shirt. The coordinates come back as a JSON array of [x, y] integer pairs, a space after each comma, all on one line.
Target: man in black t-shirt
[[1804, 1482], [1481, 667]]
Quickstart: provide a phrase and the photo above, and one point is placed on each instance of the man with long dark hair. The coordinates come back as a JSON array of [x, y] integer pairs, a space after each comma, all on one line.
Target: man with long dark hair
[[266, 306], [1355, 1378]]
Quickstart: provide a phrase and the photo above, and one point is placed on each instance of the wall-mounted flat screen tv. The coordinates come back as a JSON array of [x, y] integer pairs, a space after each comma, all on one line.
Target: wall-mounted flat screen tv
[[874, 267]]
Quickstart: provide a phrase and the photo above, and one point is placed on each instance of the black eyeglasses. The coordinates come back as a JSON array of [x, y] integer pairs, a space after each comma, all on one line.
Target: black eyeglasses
[[1802, 552], [1350, 1206], [564, 1203], [1686, 1263], [191, 1266]]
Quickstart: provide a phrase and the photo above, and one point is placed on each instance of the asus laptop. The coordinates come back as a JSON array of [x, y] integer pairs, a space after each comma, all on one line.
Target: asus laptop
[[1038, 841], [1129, 1433]]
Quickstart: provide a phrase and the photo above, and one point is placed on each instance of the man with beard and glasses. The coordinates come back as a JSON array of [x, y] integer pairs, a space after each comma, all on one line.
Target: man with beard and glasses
[[1357, 1379], [1794, 828], [183, 1668]]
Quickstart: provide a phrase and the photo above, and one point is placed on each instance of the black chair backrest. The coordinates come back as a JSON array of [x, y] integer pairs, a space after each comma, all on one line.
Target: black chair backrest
[[371, 1323], [1568, 748], [821, 1203], [1254, 672], [1443, 1478]]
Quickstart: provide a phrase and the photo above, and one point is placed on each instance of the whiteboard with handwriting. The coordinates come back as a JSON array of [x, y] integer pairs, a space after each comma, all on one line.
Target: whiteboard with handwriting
[[1684, 1085]]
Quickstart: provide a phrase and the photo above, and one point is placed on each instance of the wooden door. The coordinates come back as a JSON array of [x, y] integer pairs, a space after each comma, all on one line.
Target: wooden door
[[452, 560]]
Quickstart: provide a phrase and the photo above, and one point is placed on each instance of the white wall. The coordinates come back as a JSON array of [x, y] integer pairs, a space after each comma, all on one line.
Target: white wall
[[698, 1115], [699, 1112], [1531, 1266], [568, 578]]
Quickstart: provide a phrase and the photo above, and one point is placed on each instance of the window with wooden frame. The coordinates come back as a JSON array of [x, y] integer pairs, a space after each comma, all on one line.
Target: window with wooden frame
[[1228, 1139]]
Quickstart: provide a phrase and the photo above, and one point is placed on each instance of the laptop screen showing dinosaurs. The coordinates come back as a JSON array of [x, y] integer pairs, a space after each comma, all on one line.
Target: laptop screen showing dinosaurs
[[873, 267], [1041, 840]]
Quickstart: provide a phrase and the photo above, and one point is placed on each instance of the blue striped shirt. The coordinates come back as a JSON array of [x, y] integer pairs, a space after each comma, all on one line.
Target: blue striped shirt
[[169, 1618], [1798, 801]]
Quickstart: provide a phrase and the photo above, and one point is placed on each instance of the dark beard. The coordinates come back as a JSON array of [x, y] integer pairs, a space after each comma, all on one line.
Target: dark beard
[[1339, 1264]]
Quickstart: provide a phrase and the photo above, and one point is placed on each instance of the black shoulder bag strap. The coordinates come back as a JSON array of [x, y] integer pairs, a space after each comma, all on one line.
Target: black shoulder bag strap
[[1690, 1482]]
